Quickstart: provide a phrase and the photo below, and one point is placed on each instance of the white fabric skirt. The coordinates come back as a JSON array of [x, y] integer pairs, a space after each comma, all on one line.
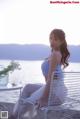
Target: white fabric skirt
[[59, 90]]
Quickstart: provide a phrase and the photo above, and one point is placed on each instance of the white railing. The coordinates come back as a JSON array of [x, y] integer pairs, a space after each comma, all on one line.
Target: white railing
[[70, 80]]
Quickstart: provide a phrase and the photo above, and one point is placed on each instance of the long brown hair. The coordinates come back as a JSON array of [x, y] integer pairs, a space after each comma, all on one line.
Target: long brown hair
[[59, 34]]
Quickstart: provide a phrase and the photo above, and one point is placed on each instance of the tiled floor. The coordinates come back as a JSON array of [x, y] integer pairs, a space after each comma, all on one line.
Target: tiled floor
[[39, 114]]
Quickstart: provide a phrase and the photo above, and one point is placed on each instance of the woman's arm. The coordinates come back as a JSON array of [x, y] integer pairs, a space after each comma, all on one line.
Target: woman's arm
[[52, 66]]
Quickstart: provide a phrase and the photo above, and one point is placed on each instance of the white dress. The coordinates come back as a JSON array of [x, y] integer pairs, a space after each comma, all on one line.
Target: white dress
[[58, 88]]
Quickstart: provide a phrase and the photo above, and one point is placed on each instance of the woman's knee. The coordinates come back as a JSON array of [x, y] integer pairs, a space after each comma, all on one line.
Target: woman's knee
[[25, 90], [27, 86], [29, 89]]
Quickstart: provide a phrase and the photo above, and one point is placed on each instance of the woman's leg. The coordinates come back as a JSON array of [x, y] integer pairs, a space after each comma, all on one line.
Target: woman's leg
[[26, 92]]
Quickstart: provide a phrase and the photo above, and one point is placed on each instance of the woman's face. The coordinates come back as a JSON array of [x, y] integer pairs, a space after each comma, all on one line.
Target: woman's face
[[55, 44]]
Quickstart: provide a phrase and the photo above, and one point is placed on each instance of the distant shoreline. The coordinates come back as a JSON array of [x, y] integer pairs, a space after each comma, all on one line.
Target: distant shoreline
[[33, 52]]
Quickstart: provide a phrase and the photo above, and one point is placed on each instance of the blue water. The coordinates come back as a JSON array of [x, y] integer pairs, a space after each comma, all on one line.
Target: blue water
[[30, 73]]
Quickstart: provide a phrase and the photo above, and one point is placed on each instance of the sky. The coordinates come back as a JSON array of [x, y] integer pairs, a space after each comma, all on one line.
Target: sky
[[30, 22]]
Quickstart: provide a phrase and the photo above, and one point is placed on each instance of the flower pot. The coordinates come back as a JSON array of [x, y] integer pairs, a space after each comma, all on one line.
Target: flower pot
[[4, 80]]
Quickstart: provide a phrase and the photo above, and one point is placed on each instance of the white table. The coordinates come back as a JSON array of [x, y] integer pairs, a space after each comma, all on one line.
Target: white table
[[9, 87]]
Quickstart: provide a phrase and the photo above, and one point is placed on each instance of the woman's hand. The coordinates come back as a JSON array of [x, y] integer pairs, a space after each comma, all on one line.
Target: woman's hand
[[42, 102]]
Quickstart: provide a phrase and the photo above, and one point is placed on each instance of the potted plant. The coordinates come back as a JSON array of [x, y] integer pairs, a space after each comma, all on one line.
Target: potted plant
[[4, 73]]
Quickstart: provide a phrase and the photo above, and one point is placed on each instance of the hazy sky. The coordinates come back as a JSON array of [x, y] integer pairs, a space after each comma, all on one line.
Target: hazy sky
[[30, 21]]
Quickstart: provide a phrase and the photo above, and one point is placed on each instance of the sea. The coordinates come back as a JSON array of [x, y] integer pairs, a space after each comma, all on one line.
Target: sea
[[30, 72]]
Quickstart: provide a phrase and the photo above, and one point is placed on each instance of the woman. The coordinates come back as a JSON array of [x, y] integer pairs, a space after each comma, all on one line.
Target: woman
[[39, 93]]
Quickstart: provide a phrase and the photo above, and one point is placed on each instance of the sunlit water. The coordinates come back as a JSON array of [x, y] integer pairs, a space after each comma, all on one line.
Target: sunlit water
[[30, 73]]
